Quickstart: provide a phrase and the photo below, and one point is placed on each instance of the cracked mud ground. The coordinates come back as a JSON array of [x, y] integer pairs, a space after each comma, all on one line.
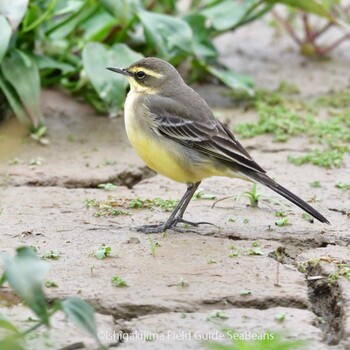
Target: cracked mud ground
[[178, 291]]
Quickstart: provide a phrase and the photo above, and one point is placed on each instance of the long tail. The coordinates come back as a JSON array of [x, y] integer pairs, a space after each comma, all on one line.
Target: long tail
[[273, 185]]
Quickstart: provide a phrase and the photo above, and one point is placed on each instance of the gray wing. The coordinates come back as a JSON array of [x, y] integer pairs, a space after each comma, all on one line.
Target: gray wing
[[209, 136]]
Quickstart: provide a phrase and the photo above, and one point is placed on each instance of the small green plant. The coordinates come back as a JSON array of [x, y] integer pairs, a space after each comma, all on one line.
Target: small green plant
[[308, 217], [118, 282], [343, 269], [333, 278], [164, 204], [51, 255], [182, 283], [25, 273], [284, 118], [316, 184], [212, 261], [253, 196], [50, 284], [36, 161], [103, 252], [255, 250], [280, 214], [331, 158], [342, 186], [136, 203], [234, 251], [108, 207], [245, 292], [280, 317], [108, 186], [200, 194], [282, 222], [336, 99], [14, 161], [154, 245], [217, 315]]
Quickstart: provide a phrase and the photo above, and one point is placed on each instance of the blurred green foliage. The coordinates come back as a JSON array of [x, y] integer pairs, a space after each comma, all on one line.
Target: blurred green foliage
[[70, 42], [25, 273], [256, 341], [307, 32]]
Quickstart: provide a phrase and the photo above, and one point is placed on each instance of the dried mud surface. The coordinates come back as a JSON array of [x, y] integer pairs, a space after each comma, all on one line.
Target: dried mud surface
[[173, 296]]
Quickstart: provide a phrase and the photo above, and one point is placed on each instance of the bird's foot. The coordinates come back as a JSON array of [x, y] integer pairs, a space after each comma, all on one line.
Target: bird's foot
[[171, 225], [151, 228], [196, 224]]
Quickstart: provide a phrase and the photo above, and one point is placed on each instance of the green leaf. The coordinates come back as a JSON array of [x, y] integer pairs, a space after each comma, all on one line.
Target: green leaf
[[202, 46], [11, 343], [224, 15], [23, 74], [6, 324], [81, 313], [110, 87], [46, 62], [5, 30], [232, 79], [97, 27], [66, 26], [25, 273], [122, 10], [310, 6], [14, 102], [170, 37], [13, 11]]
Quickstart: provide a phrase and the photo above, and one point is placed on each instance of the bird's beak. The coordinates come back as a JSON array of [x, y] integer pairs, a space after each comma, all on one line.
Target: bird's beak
[[122, 71]]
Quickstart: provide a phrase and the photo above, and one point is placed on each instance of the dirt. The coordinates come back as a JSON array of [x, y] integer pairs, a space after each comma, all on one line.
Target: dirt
[[174, 293]]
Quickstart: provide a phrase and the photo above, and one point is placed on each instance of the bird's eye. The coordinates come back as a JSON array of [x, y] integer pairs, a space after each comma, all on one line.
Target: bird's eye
[[140, 74]]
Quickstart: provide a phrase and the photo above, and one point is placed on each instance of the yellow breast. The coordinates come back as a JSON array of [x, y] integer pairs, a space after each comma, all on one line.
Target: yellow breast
[[157, 152]]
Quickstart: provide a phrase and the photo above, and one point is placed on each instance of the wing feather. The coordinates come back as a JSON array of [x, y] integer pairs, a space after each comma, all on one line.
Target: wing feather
[[207, 135]]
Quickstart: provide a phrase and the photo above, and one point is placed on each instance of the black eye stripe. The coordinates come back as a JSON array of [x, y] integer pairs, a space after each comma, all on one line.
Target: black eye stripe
[[140, 74]]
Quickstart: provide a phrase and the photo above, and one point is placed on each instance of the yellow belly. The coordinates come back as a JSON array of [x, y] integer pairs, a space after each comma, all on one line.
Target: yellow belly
[[158, 158]]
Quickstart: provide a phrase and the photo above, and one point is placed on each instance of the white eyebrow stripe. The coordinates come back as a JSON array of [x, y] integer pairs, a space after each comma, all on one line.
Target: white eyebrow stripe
[[147, 71]]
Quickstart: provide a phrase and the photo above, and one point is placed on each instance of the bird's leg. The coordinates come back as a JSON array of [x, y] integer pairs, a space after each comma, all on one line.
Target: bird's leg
[[176, 215], [179, 217]]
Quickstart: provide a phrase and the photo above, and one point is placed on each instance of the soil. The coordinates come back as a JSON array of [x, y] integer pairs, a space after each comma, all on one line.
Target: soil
[[174, 296]]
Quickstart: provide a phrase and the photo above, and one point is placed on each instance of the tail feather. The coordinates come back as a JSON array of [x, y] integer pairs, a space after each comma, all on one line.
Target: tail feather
[[273, 185]]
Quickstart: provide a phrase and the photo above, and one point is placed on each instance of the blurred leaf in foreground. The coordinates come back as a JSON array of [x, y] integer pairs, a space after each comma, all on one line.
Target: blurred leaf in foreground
[[22, 87], [110, 87], [25, 273], [81, 313]]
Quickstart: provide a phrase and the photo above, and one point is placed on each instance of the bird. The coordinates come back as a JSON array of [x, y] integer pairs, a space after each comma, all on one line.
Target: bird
[[176, 134]]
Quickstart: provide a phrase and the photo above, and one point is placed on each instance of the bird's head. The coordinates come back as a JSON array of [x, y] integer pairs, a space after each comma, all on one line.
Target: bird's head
[[151, 75]]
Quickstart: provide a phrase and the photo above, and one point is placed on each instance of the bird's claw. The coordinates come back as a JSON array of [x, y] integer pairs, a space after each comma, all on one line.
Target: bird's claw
[[160, 228]]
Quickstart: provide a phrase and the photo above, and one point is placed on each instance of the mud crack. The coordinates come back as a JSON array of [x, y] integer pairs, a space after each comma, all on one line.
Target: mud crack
[[124, 177], [327, 303], [128, 312], [326, 300]]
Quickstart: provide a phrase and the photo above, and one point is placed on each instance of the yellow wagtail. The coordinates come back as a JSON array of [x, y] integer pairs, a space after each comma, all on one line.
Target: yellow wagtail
[[176, 134]]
